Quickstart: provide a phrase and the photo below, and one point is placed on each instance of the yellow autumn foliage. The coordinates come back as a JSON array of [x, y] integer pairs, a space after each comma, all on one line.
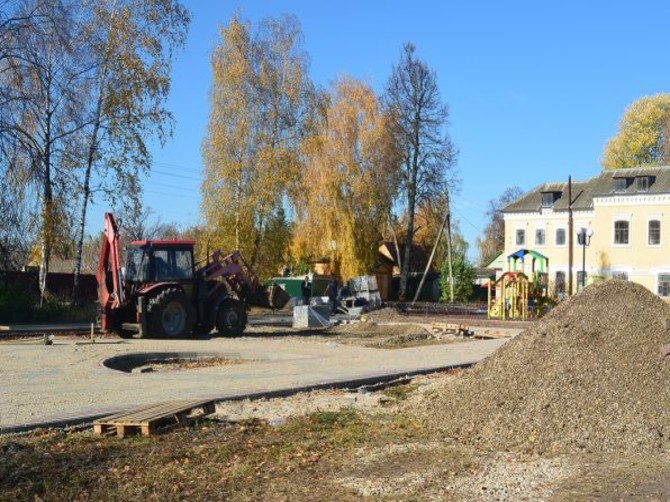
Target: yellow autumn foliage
[[642, 136], [349, 181]]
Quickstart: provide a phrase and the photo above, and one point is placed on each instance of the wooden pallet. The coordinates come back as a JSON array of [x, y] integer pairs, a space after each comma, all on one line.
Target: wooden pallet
[[450, 328], [149, 418]]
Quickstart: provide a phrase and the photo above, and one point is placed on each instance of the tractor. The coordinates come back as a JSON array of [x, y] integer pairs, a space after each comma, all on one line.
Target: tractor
[[163, 292]]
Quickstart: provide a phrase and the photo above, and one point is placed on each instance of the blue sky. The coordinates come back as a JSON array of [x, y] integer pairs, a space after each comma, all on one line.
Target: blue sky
[[535, 88]]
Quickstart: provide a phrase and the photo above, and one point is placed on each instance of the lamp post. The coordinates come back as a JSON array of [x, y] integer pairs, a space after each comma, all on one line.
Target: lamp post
[[584, 239]]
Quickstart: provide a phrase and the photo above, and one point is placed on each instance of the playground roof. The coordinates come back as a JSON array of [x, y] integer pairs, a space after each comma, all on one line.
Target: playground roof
[[521, 253]]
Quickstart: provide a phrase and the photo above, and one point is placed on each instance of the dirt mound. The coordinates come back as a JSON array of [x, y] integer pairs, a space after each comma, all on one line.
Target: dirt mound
[[589, 376]]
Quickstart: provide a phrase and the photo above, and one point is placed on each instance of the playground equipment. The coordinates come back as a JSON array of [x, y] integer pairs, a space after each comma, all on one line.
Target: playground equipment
[[518, 292]]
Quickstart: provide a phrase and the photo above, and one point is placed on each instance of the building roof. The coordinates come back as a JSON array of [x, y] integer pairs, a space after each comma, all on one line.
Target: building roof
[[603, 185]]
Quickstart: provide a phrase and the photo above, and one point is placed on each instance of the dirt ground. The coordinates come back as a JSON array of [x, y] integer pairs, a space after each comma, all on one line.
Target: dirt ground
[[325, 445]]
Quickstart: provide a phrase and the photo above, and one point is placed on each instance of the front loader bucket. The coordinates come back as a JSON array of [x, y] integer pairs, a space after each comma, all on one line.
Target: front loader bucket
[[270, 296]]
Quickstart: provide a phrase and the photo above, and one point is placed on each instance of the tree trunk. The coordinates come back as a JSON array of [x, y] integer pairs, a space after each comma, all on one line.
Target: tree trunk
[[47, 234], [92, 147], [395, 243], [404, 275]]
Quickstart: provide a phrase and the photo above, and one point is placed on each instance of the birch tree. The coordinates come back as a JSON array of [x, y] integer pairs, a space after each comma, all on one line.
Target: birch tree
[[131, 48], [349, 183], [419, 120], [40, 82], [258, 107]]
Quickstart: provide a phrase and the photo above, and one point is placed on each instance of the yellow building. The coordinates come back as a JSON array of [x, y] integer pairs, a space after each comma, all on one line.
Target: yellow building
[[624, 215]]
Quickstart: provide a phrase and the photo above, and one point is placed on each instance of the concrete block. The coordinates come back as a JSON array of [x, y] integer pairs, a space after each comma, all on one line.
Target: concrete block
[[305, 316]]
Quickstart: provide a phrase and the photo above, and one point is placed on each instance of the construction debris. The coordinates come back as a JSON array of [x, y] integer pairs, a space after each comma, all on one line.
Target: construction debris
[[587, 377], [445, 328]]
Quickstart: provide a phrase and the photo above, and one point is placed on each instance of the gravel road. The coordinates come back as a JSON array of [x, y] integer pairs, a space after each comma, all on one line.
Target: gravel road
[[66, 380]]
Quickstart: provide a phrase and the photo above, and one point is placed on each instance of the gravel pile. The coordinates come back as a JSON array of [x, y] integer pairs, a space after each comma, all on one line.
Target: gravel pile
[[589, 376]]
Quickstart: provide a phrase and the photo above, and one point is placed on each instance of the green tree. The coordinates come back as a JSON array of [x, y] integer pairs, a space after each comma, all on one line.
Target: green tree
[[419, 120], [258, 106], [493, 241], [642, 136], [464, 274]]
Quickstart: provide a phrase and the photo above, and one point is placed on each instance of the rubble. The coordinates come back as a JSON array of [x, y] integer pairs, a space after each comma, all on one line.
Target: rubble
[[590, 376]]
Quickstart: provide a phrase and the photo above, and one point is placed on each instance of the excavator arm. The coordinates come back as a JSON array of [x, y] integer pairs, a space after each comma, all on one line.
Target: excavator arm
[[109, 278]]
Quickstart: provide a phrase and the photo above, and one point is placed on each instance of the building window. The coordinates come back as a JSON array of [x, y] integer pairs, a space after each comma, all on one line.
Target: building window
[[547, 199], [620, 185], [581, 279], [539, 237], [654, 238], [621, 232], [520, 237], [664, 284], [642, 183], [560, 237], [620, 275], [559, 284]]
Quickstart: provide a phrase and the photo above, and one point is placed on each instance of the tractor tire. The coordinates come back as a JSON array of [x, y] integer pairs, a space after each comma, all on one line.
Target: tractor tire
[[170, 314], [231, 319]]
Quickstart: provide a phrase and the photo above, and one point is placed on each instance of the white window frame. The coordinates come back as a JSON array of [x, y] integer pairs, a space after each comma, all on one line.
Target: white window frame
[[657, 277], [516, 237], [638, 182], [660, 240], [620, 271], [544, 235], [618, 181], [565, 237], [565, 278], [627, 219]]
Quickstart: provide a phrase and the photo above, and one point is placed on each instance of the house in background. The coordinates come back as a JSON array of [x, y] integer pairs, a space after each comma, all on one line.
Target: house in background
[[388, 273], [624, 215]]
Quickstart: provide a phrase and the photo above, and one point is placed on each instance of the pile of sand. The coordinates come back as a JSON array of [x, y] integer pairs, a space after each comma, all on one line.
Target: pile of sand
[[589, 376]]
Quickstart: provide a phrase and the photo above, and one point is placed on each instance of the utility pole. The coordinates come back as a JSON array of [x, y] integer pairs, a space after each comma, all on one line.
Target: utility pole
[[570, 237]]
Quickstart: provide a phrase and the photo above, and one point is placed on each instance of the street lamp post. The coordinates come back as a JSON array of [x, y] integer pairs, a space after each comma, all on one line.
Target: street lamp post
[[584, 239]]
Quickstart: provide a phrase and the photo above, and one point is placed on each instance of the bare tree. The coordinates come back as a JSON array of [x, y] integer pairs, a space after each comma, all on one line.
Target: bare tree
[[41, 79], [131, 47], [493, 241], [419, 125]]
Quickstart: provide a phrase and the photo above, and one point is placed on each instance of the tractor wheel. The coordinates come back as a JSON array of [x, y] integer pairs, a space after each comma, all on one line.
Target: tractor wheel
[[124, 333], [170, 314], [232, 318]]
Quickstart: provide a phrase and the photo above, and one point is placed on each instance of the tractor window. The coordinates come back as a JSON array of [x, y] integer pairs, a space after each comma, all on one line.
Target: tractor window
[[162, 265], [184, 263], [173, 264], [137, 265]]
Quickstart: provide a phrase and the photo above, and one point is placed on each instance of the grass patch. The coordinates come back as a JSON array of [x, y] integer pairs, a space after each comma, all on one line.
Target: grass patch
[[250, 460], [400, 392]]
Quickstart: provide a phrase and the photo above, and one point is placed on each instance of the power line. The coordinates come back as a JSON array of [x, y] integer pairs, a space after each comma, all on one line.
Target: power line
[[467, 221], [183, 195], [181, 176], [178, 167], [174, 187]]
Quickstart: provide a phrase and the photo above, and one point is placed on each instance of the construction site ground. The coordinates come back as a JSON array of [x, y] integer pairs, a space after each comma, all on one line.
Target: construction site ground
[[441, 436], [66, 381]]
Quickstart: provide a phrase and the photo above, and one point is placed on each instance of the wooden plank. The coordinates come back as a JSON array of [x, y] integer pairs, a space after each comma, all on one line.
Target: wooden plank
[[156, 410]]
